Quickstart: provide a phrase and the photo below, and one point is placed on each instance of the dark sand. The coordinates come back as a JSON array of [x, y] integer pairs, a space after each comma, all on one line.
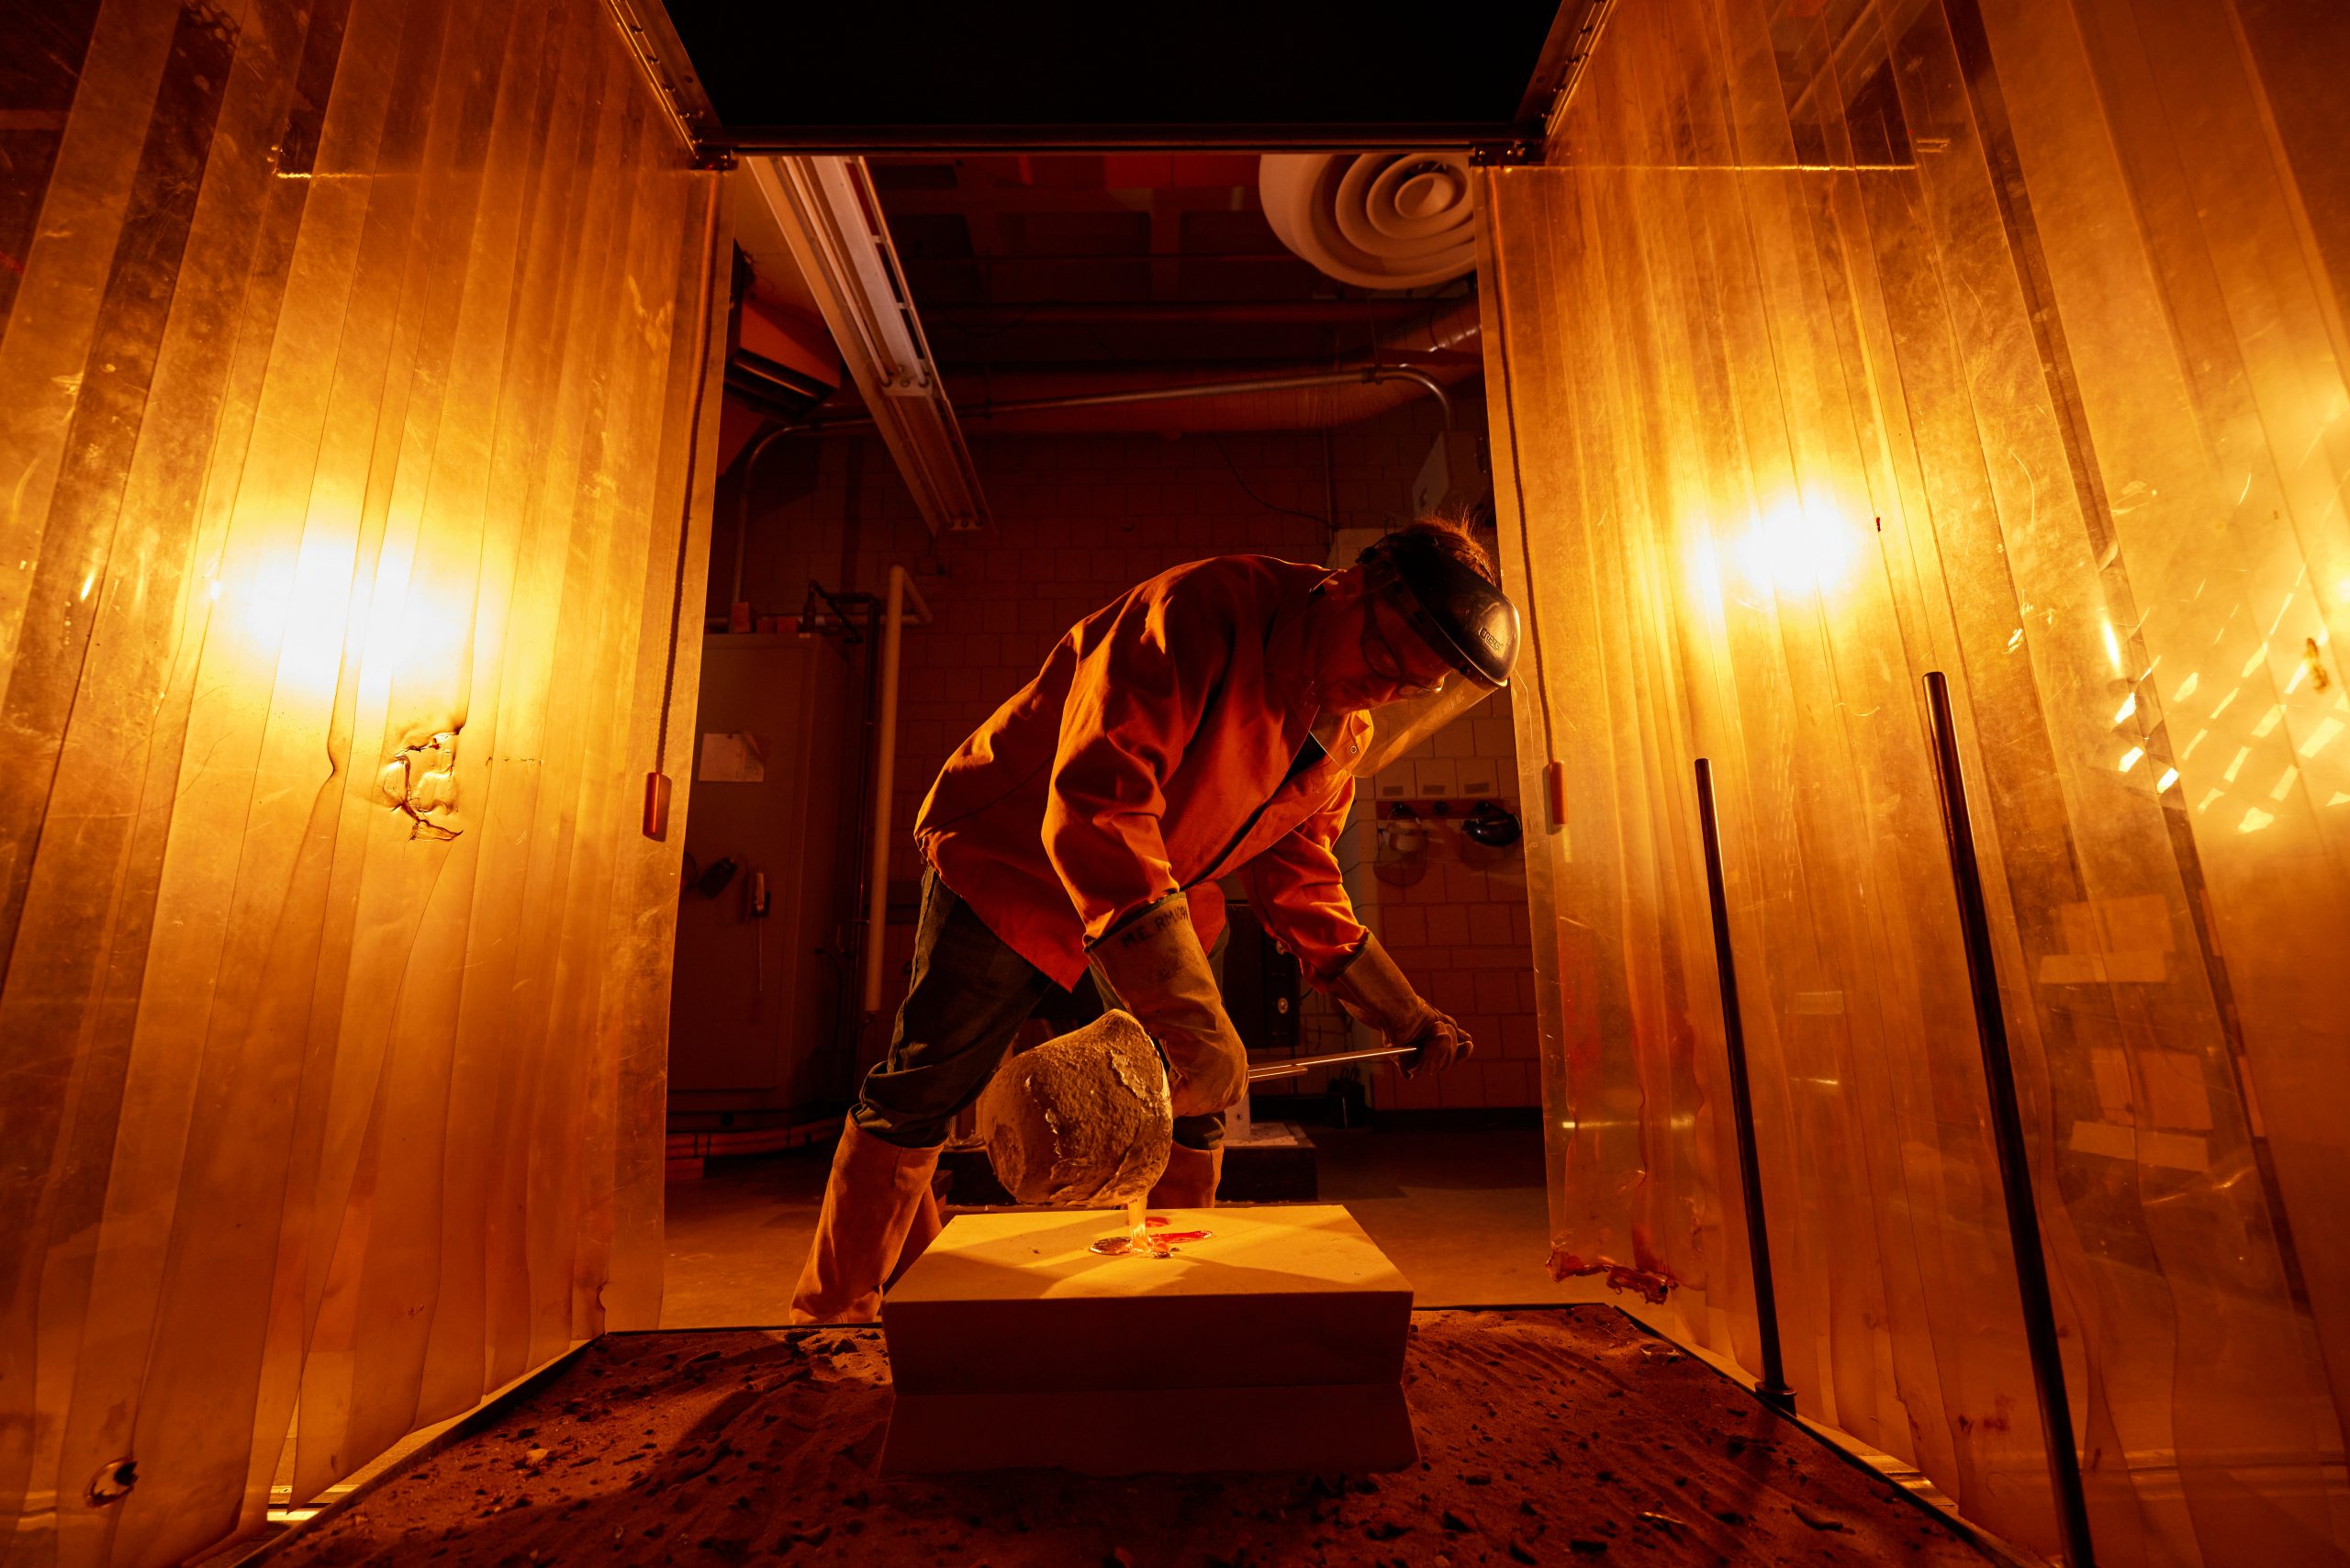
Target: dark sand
[[1566, 1435]]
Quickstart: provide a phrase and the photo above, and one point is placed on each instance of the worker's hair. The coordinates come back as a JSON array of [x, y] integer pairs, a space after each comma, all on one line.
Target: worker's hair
[[1452, 538]]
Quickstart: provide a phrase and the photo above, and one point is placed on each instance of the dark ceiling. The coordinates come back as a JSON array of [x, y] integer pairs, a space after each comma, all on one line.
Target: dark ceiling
[[860, 78], [1132, 257]]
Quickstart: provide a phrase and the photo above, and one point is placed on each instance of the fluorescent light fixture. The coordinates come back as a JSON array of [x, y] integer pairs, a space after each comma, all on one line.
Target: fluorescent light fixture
[[831, 219]]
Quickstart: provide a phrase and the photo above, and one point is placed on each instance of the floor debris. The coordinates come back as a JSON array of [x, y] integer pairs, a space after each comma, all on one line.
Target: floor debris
[[720, 1446]]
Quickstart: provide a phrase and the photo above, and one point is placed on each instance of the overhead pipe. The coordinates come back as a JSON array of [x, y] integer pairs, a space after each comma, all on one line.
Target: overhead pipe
[[750, 466], [1435, 389], [1323, 398], [1312, 400], [1001, 316], [885, 776], [1441, 350], [1459, 329], [1094, 258]]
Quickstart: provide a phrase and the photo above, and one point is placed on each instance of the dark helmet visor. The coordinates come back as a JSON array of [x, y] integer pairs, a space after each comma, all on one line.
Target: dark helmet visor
[[1464, 616]]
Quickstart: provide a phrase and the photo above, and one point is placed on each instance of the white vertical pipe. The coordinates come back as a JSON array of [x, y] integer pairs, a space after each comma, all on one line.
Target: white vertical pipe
[[885, 779]]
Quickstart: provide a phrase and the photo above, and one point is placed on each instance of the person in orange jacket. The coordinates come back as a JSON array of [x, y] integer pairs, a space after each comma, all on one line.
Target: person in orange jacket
[[1211, 721]]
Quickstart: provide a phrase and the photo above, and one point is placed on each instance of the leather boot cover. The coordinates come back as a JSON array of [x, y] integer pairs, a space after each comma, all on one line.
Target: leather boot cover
[[1189, 1180], [1155, 965], [928, 1222], [871, 1200]]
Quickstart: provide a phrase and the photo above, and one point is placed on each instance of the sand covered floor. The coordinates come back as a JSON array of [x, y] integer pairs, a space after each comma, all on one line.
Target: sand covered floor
[[1565, 1435]]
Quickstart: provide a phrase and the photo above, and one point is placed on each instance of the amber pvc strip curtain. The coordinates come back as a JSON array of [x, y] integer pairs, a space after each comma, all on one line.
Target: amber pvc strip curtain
[[1843, 341], [350, 369]]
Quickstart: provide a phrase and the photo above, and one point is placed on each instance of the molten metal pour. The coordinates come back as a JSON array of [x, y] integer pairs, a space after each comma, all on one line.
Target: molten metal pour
[[1139, 1241]]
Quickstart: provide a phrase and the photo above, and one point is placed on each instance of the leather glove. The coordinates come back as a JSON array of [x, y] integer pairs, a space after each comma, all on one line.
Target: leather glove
[[1375, 992], [1154, 966]]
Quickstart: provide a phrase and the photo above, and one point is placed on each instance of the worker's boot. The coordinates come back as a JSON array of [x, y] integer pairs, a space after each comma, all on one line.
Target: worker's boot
[[1189, 1180], [872, 1199]]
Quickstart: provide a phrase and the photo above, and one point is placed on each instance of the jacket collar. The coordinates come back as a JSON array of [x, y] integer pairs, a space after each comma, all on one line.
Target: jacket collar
[[1289, 673]]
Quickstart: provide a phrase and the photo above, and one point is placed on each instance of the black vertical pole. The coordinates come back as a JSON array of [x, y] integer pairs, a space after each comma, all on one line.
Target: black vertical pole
[[2007, 1132], [1774, 1386]]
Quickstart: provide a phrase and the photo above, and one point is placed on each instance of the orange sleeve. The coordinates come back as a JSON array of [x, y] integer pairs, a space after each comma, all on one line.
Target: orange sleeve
[[1134, 703], [1295, 889]]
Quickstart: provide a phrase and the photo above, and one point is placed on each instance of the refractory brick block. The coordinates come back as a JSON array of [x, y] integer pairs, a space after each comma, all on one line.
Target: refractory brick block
[[1012, 1343], [1016, 1303]]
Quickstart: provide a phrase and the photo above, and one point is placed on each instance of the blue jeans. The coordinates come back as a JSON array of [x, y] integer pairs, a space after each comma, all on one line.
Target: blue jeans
[[971, 993]]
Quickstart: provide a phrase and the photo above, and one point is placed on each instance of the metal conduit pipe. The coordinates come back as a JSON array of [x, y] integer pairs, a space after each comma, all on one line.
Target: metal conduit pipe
[[1371, 376], [1311, 400], [742, 501], [1178, 312], [1433, 354], [1435, 389]]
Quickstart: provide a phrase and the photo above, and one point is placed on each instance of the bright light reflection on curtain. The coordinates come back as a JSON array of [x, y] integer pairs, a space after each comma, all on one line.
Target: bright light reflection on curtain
[[349, 352], [1845, 341]]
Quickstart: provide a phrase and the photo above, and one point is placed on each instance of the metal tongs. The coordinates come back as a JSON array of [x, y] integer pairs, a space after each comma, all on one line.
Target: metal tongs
[[1299, 1065]]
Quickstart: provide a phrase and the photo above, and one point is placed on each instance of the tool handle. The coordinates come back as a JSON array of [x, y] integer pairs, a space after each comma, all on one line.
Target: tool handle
[[1299, 1066]]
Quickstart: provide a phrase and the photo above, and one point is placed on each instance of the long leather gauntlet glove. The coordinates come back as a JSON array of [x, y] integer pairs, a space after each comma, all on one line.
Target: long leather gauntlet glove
[[1159, 974], [1374, 991]]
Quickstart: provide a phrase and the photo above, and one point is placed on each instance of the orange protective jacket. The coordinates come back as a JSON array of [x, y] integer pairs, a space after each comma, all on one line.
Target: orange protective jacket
[[1151, 754]]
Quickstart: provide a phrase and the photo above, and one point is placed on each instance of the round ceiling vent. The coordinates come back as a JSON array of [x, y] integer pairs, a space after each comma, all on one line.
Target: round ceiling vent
[[1374, 219]]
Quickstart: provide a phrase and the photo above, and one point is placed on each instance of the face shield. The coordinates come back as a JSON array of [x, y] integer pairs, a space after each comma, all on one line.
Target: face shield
[[1397, 727], [1444, 637]]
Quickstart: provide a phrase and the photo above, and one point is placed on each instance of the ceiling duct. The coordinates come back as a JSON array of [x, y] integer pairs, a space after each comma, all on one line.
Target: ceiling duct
[[1374, 219], [831, 219]]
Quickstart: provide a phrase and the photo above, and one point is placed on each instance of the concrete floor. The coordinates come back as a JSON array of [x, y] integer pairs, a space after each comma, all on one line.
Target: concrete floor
[[1460, 1210]]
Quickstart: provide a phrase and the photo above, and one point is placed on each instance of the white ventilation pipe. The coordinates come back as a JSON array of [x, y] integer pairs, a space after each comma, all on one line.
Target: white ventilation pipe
[[885, 775]]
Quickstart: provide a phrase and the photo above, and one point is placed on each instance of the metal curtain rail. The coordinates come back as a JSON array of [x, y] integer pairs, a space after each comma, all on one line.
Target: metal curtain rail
[[1773, 1389], [2007, 1132]]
